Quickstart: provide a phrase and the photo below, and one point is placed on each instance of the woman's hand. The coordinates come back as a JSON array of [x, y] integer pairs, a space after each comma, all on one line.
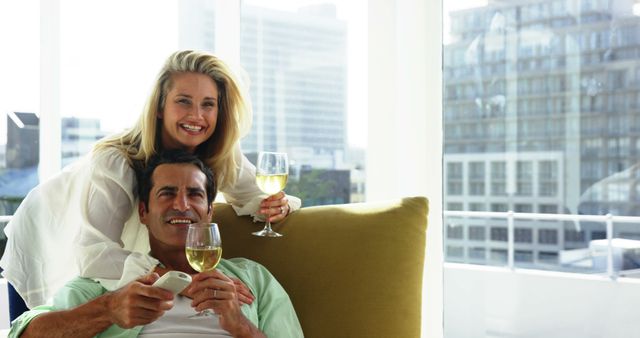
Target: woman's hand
[[244, 294], [275, 207]]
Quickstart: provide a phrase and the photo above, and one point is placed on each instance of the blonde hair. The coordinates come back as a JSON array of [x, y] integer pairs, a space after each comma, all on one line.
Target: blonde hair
[[142, 141]]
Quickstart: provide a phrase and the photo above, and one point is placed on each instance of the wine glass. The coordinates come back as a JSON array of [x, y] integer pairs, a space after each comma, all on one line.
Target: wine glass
[[272, 172], [203, 250]]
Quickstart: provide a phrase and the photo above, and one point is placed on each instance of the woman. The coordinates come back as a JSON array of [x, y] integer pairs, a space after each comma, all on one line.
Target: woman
[[196, 104]]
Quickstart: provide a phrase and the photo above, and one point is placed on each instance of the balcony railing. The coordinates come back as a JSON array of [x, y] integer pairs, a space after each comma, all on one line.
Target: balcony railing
[[511, 217]]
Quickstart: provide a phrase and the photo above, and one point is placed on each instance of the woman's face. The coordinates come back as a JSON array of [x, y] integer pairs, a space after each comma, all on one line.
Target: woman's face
[[190, 111]]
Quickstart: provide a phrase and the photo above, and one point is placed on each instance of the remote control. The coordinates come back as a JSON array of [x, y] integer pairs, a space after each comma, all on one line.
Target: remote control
[[174, 281]]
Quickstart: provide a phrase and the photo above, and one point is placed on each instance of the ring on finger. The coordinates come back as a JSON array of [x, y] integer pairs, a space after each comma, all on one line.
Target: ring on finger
[[215, 293]]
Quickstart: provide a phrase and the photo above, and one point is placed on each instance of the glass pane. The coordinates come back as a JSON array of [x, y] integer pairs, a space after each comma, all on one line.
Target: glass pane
[[534, 111], [108, 70], [298, 60], [20, 102], [544, 95]]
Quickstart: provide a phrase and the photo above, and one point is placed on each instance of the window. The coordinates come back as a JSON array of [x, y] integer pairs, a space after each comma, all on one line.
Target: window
[[598, 234], [547, 236], [499, 234], [548, 209], [476, 170], [498, 188], [548, 257], [476, 178], [455, 232], [457, 206], [455, 251], [572, 235], [477, 233], [454, 188], [498, 256], [524, 186], [523, 235], [548, 176], [477, 207], [454, 174], [523, 256], [520, 207], [476, 188], [499, 207], [498, 178], [454, 171], [477, 253]]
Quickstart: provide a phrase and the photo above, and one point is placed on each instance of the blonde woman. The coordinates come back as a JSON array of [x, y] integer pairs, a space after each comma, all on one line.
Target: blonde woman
[[88, 213]]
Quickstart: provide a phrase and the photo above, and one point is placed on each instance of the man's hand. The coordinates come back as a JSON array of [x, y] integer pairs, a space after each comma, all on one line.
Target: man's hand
[[243, 293], [213, 290], [275, 207], [138, 303]]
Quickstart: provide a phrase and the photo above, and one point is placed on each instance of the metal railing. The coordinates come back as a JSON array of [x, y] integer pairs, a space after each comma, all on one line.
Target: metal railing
[[511, 216]]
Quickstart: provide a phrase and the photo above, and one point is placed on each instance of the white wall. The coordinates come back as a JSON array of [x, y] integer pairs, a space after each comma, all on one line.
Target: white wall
[[497, 302], [404, 153]]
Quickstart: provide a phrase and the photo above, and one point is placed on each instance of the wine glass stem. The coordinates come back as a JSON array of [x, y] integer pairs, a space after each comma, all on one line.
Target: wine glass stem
[[267, 225]]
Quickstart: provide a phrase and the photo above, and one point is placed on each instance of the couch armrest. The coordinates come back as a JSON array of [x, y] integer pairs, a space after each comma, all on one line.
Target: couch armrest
[[352, 270]]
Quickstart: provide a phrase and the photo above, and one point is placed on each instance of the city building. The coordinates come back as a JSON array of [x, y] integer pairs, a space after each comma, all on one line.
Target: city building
[[297, 66], [22, 150], [541, 115], [78, 137]]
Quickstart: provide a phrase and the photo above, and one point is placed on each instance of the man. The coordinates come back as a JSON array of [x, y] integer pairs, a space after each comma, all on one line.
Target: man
[[175, 189]]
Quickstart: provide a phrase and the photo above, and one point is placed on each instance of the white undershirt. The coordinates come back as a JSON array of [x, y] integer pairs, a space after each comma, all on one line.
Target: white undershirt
[[176, 323]]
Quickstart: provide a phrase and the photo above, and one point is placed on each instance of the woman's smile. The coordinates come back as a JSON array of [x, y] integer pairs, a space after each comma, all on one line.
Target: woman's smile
[[190, 111]]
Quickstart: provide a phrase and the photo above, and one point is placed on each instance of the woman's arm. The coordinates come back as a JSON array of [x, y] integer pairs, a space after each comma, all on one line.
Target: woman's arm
[[108, 204]]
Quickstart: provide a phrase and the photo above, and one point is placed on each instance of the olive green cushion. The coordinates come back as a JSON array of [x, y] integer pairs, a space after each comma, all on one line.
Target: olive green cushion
[[352, 270]]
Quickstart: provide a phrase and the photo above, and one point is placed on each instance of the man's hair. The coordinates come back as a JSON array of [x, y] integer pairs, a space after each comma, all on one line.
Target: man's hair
[[177, 156]]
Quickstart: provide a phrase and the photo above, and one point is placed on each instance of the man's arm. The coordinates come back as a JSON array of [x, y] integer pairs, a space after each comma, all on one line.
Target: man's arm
[[276, 316], [214, 290], [137, 303], [86, 320]]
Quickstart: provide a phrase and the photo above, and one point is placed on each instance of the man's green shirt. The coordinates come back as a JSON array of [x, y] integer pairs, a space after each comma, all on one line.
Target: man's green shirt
[[271, 311]]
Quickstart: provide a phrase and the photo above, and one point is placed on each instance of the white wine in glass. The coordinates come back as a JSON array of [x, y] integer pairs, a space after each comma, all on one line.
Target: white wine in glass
[[205, 258], [272, 172], [203, 250]]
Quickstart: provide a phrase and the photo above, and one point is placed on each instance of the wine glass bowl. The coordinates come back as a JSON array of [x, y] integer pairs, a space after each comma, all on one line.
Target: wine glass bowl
[[203, 249], [272, 173]]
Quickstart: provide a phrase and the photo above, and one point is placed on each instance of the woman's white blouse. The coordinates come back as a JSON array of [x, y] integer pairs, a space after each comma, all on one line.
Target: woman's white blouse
[[84, 221]]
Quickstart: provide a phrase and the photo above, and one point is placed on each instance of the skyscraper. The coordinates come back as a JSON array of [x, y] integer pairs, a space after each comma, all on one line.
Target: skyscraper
[[541, 114], [297, 65]]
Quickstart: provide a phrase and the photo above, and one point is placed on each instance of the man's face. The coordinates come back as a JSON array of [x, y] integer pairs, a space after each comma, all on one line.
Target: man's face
[[177, 198]]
